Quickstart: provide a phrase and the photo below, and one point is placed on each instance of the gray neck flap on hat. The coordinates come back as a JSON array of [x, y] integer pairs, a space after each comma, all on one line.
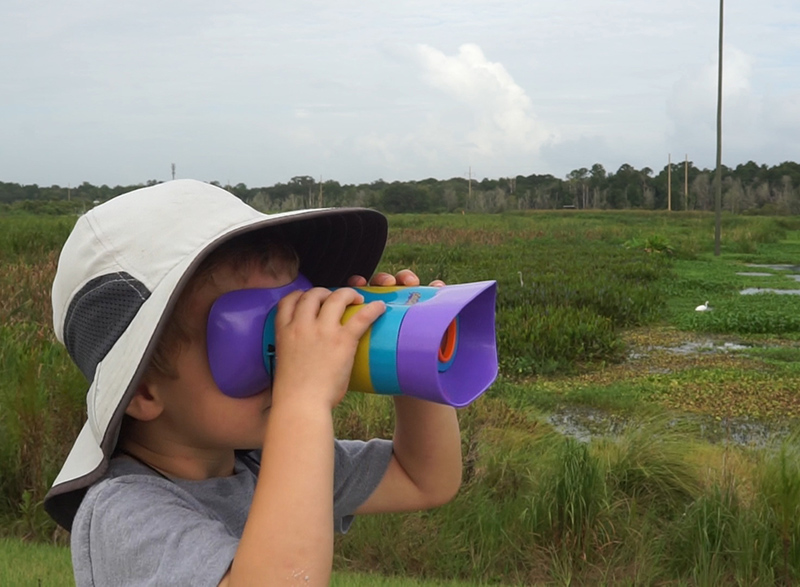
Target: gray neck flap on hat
[[98, 315]]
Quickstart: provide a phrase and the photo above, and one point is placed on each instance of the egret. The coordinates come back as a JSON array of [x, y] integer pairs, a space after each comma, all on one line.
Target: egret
[[703, 307]]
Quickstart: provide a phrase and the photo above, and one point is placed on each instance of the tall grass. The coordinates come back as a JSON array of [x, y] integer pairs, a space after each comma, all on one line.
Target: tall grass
[[41, 395], [27, 238], [540, 508]]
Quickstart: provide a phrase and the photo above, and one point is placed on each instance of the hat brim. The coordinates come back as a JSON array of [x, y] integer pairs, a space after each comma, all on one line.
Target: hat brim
[[332, 244]]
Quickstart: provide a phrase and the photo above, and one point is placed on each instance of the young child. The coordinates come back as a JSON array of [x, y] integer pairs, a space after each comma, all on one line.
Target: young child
[[171, 481]]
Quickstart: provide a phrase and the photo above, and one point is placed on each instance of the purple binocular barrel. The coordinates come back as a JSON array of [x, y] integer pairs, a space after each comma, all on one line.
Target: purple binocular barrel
[[436, 344]]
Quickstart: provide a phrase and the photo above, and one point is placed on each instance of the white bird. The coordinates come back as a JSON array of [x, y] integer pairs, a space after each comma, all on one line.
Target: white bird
[[703, 307]]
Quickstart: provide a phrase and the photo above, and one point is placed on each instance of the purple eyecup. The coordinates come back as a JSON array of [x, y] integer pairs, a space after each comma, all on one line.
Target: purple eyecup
[[235, 336]]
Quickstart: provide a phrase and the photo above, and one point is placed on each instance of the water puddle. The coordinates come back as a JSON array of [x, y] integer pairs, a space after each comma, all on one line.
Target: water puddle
[[759, 290], [585, 424], [691, 347], [741, 432], [703, 346], [780, 267]]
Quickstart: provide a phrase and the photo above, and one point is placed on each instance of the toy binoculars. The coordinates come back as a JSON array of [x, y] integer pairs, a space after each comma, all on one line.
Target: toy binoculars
[[433, 343]]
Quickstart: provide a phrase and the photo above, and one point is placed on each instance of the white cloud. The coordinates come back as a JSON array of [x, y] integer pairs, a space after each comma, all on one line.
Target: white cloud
[[502, 114]]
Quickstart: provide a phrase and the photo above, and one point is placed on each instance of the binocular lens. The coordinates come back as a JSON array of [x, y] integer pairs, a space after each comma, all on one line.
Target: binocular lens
[[447, 347], [448, 344]]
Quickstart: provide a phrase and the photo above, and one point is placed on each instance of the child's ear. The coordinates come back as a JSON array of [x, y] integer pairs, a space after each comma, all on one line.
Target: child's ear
[[146, 404]]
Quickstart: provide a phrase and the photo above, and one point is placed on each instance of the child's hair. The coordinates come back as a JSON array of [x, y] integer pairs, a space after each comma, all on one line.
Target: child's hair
[[240, 254]]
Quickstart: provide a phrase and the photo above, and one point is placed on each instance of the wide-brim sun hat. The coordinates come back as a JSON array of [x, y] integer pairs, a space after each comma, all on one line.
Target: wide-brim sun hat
[[122, 269]]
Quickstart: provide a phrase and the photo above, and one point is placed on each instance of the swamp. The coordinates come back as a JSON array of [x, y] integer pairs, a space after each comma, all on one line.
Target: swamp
[[628, 440]]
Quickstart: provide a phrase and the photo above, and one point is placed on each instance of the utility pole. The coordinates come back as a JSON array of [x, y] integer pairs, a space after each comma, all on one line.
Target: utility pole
[[669, 182], [718, 196], [320, 191], [686, 183], [173, 171]]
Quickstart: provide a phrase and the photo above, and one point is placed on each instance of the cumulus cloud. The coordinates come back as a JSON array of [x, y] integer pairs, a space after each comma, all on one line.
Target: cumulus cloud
[[502, 117]]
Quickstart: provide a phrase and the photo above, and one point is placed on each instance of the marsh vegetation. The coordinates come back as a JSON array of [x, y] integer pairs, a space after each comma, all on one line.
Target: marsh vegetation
[[628, 439]]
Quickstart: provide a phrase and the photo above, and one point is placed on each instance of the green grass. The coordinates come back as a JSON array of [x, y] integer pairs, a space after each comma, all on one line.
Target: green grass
[[372, 580], [24, 564]]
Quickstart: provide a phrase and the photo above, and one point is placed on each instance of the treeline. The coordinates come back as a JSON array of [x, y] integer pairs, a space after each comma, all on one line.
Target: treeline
[[747, 188]]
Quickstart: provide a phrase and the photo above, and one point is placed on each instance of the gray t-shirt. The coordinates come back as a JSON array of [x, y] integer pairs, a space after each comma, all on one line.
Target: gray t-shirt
[[135, 527]]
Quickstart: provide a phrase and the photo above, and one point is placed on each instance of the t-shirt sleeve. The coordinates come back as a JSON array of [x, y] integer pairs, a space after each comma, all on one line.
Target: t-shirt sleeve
[[134, 530], [358, 469]]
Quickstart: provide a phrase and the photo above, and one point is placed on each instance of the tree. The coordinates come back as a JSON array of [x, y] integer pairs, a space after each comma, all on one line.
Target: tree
[[597, 181], [305, 187], [625, 188], [402, 198], [579, 186], [240, 191]]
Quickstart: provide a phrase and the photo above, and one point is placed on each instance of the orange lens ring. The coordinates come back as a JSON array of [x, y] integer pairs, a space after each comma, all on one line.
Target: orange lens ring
[[447, 347]]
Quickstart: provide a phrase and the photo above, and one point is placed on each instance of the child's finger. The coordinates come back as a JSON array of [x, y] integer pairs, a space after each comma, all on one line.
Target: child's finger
[[334, 305], [286, 308], [383, 279], [359, 323], [309, 304], [406, 277], [300, 305], [356, 281]]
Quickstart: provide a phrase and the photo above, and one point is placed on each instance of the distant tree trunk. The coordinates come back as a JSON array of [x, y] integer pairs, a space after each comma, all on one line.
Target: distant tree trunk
[[701, 188], [648, 198]]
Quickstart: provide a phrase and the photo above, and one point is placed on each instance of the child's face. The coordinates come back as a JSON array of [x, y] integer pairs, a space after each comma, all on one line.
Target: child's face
[[198, 415]]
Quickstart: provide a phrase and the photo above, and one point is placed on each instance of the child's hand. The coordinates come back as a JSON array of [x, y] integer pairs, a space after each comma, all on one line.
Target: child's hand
[[314, 351], [404, 277]]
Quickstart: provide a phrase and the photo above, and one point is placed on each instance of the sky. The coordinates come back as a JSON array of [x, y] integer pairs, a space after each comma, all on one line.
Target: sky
[[258, 92]]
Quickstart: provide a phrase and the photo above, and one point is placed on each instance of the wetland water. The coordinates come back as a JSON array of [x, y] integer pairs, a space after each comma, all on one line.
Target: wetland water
[[795, 275], [585, 423]]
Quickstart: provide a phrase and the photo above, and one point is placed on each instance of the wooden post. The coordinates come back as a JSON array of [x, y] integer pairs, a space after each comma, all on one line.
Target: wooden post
[[718, 195], [669, 182], [469, 189], [686, 183]]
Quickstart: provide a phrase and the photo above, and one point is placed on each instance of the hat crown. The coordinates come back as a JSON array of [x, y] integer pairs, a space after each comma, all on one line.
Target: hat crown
[[120, 251], [142, 234]]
